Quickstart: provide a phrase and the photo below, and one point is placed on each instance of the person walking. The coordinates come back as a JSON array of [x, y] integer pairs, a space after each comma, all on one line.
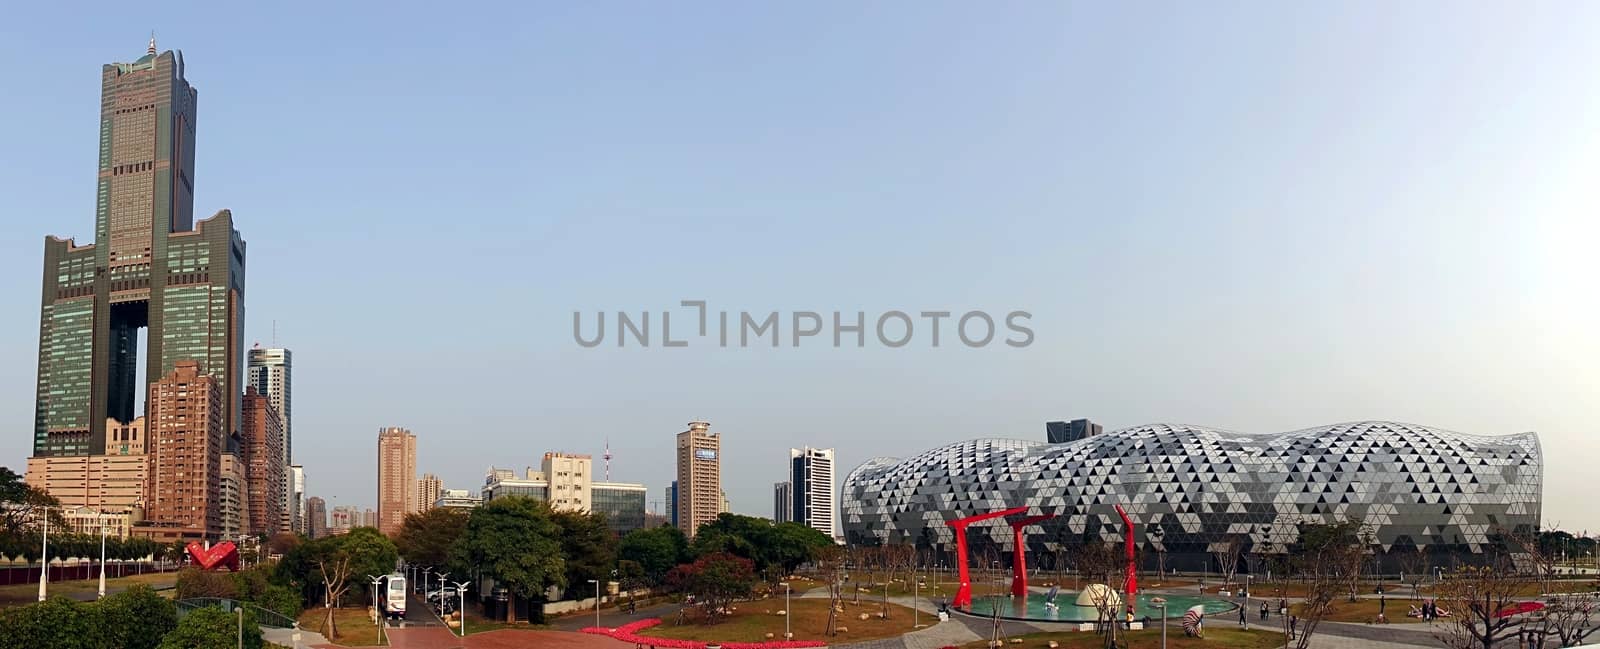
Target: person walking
[[1263, 611], [1294, 624], [1243, 620]]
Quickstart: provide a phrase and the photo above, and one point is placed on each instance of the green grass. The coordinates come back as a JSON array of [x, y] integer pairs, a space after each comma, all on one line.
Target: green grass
[[752, 621], [20, 594], [1149, 639], [355, 625]]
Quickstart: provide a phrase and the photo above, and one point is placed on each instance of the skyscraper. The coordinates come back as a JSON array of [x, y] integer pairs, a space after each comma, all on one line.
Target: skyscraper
[[397, 478], [150, 267], [316, 517], [186, 442], [782, 502], [268, 371], [1061, 432], [297, 483], [428, 490], [699, 477], [265, 473], [816, 501]]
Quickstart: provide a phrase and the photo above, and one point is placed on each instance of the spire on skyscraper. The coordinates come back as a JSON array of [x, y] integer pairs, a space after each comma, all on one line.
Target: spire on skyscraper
[[152, 49]]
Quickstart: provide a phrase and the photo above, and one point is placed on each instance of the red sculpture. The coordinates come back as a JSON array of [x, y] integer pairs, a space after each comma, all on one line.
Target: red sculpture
[[1131, 586], [221, 554], [1019, 557], [963, 598]]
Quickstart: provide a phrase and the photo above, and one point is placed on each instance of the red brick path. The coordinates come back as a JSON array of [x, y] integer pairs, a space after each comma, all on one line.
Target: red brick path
[[439, 638]]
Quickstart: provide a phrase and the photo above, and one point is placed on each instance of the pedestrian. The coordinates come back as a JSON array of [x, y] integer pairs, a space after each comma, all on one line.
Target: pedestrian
[[1243, 619], [1294, 624], [1263, 611]]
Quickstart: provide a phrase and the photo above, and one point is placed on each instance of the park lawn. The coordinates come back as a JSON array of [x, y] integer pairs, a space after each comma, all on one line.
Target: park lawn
[[19, 594], [1362, 611], [1150, 639], [355, 625], [752, 621]]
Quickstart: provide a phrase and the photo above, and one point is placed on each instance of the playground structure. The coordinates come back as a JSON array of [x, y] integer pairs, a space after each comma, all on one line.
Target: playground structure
[[213, 557]]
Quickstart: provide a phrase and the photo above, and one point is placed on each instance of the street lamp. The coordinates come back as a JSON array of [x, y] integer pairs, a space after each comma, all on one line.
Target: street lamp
[[916, 588], [425, 571], [102, 554], [596, 583], [461, 612], [1161, 603], [1247, 602], [44, 554], [240, 610], [377, 614], [442, 575], [787, 613]]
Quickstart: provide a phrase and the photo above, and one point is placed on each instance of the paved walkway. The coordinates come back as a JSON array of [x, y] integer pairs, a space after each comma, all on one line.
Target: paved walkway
[[439, 638]]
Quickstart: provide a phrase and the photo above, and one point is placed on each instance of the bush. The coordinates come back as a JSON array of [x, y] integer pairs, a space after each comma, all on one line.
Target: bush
[[136, 618], [58, 623], [213, 628], [281, 599], [194, 582]]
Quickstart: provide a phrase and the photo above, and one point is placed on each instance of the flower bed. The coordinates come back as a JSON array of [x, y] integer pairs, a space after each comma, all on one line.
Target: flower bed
[[630, 633]]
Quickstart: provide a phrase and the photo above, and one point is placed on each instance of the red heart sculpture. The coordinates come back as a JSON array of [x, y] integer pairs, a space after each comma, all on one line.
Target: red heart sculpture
[[221, 554]]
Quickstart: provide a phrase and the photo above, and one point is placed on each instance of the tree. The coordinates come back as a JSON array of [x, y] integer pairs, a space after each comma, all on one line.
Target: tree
[[283, 542], [1414, 567], [58, 623], [361, 552], [136, 618], [1227, 554], [425, 538], [20, 504], [589, 547], [1474, 596], [656, 550], [717, 580], [194, 582], [1569, 618], [516, 542], [213, 628], [1329, 556]]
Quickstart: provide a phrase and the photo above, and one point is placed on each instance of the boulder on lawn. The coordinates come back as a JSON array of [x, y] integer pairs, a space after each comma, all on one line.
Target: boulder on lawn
[[1053, 644], [842, 629], [769, 636], [782, 613], [863, 617]]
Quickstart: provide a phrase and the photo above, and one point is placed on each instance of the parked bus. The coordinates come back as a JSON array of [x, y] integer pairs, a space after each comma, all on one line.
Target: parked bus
[[394, 596]]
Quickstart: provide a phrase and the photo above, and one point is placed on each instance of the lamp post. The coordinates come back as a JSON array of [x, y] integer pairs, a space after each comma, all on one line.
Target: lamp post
[[425, 571], [102, 554], [442, 575], [1247, 602], [44, 554], [1161, 603], [239, 608], [787, 613], [377, 614], [916, 600], [596, 583], [461, 612]]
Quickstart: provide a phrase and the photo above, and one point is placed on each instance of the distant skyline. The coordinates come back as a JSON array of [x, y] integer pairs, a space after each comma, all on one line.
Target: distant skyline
[[1251, 217]]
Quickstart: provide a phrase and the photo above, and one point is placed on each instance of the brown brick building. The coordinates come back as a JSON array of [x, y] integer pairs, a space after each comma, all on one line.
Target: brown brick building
[[261, 450], [186, 442], [397, 478]]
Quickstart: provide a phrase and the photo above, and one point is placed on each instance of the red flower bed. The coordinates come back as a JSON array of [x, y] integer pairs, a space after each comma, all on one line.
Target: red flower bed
[[630, 633]]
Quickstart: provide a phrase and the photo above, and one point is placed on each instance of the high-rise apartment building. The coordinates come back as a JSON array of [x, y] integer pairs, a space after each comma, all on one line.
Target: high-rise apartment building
[[186, 442], [783, 502], [151, 267], [344, 517], [569, 477], [699, 477], [316, 517], [428, 490], [816, 501], [369, 518], [672, 503], [297, 482], [265, 473], [233, 497], [1061, 432], [268, 371], [397, 478]]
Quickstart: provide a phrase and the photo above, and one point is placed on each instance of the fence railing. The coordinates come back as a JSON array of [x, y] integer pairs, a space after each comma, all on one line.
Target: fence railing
[[264, 617]]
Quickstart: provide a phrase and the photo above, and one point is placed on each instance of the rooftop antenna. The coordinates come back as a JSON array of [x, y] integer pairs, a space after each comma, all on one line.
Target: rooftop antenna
[[607, 456], [152, 49], [274, 333]]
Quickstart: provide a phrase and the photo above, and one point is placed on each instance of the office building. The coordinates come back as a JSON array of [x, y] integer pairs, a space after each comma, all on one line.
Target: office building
[[269, 371], [186, 442], [699, 494], [397, 478], [816, 502], [297, 481], [1061, 432], [565, 481], [265, 473], [672, 503], [107, 483], [783, 502], [151, 267], [316, 517], [458, 499], [1189, 488], [428, 490], [89, 521]]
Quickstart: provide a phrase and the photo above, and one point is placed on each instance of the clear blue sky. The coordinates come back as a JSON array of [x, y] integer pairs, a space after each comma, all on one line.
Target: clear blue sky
[[1253, 216]]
